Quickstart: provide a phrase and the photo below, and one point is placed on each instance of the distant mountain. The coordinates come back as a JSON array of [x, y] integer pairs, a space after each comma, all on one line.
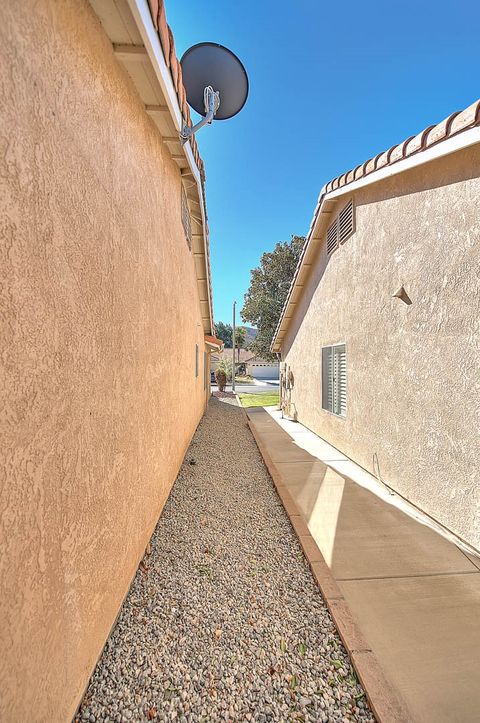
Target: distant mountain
[[224, 331], [251, 334]]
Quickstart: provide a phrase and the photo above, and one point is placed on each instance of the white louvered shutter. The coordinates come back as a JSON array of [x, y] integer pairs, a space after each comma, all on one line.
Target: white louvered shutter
[[341, 380], [327, 378], [334, 379]]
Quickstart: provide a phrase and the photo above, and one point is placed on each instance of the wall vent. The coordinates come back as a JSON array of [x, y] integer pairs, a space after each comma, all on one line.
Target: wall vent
[[186, 220], [342, 228], [345, 222], [332, 238]]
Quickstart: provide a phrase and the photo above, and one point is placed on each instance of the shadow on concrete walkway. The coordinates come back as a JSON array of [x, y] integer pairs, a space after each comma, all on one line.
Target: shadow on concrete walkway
[[414, 594]]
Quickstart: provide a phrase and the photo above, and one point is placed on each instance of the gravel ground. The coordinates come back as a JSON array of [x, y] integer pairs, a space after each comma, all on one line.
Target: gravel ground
[[224, 621], [227, 397]]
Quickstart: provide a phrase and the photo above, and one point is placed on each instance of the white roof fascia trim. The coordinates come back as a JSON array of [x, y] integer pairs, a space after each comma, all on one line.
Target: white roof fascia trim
[[215, 347], [443, 148], [141, 14]]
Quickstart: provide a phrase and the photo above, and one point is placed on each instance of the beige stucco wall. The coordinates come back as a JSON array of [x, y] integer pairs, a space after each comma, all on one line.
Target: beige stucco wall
[[413, 372], [99, 319]]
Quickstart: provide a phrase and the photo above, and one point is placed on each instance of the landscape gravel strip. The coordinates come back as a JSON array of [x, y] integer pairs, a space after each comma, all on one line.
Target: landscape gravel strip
[[223, 621]]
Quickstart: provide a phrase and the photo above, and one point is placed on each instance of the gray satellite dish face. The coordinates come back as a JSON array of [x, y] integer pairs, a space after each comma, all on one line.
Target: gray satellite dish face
[[211, 64]]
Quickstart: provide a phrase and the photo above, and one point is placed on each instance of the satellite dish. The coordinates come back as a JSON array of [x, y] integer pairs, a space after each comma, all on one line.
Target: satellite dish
[[216, 83], [211, 64]]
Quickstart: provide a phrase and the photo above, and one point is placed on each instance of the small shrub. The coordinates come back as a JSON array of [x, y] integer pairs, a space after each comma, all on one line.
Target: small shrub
[[226, 366], [221, 378]]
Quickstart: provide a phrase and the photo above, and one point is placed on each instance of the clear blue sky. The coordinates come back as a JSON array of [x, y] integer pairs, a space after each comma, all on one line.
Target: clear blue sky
[[331, 84]]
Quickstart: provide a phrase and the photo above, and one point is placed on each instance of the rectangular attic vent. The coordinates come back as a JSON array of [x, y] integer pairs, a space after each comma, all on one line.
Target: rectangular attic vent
[[186, 220], [342, 228]]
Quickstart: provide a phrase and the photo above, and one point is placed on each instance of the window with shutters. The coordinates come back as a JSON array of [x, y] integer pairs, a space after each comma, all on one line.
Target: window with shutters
[[186, 220], [342, 228], [334, 379]]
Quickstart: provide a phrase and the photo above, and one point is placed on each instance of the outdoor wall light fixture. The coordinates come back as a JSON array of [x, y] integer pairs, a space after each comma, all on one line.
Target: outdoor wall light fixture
[[216, 84], [403, 296]]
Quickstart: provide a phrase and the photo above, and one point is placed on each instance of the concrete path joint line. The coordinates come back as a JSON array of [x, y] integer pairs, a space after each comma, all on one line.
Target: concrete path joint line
[[406, 577]]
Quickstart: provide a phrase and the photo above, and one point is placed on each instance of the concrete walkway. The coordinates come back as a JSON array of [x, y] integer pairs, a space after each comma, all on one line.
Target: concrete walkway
[[413, 593]]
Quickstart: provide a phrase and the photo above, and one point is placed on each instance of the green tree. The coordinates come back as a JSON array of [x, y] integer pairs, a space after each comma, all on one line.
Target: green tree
[[224, 332], [269, 285], [240, 335]]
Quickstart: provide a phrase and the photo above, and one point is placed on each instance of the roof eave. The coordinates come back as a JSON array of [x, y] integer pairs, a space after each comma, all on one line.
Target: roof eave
[[141, 12], [213, 343], [445, 147], [151, 43]]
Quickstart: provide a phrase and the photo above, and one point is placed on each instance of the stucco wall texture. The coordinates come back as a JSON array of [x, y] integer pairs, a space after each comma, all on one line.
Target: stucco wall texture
[[99, 320], [413, 372]]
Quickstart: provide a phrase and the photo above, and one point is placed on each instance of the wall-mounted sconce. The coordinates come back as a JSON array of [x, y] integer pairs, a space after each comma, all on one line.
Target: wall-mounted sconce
[[402, 294]]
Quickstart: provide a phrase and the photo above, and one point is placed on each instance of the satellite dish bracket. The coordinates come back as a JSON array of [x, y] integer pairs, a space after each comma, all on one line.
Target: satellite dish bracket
[[212, 104]]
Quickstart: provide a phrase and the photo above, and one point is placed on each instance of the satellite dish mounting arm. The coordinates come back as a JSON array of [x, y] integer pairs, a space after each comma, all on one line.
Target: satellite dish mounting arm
[[212, 104]]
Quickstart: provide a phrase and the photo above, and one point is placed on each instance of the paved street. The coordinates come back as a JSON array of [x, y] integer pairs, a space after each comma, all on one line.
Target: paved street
[[270, 386]]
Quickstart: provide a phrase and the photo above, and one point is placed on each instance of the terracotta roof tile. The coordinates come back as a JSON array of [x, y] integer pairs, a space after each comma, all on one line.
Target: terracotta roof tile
[[468, 117], [173, 58], [245, 355], [440, 131], [455, 123], [357, 172], [398, 152], [382, 159], [417, 143], [153, 5], [163, 31], [209, 339], [451, 126], [157, 11], [370, 165], [167, 42]]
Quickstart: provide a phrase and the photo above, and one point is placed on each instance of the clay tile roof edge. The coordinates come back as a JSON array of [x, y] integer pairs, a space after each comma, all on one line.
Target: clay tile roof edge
[[445, 129], [156, 11], [453, 125], [213, 341], [167, 43]]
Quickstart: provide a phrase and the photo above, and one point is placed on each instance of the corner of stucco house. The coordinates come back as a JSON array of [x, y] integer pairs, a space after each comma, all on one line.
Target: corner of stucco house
[[390, 298]]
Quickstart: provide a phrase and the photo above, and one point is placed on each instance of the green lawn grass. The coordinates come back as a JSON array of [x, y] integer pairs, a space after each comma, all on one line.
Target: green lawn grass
[[266, 399]]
